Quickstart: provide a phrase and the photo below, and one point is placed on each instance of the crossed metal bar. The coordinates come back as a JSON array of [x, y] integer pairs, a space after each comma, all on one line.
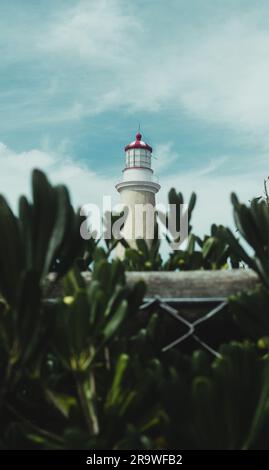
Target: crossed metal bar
[[163, 304]]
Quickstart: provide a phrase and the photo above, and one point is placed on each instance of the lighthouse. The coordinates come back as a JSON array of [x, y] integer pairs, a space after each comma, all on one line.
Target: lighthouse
[[137, 189]]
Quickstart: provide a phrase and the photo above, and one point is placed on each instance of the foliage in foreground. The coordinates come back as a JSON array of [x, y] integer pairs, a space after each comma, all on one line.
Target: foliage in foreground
[[85, 368]]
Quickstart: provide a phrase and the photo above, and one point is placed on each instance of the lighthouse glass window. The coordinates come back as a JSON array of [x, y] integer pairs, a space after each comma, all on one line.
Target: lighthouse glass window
[[138, 158], [130, 158], [141, 158], [145, 158]]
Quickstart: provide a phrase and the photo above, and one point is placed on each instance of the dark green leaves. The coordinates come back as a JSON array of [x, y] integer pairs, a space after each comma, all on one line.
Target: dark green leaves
[[253, 225], [229, 403], [11, 253], [45, 236]]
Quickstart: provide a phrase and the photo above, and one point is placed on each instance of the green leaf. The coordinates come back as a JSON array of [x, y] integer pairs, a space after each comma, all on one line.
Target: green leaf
[[11, 257], [28, 314], [114, 323], [192, 203], [61, 401], [78, 324], [208, 247], [59, 228], [262, 410], [44, 209], [116, 392]]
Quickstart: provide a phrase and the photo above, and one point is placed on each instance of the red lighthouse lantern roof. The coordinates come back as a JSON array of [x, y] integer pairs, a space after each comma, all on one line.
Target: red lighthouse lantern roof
[[138, 144]]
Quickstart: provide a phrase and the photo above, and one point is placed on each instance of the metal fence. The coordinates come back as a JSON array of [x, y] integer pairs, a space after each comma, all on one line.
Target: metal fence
[[186, 322]]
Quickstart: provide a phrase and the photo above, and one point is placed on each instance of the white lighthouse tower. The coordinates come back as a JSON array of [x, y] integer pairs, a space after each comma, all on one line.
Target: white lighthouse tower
[[137, 188]]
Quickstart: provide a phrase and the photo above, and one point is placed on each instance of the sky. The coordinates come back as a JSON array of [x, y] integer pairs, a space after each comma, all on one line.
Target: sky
[[77, 78]]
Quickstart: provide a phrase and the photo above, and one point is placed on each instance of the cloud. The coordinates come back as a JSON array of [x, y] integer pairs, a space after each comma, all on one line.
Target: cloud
[[85, 185], [116, 59], [93, 57], [97, 32], [213, 166], [224, 79], [213, 195], [166, 161], [163, 157]]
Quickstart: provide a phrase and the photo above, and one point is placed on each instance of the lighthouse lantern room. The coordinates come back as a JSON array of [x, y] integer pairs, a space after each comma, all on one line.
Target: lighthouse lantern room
[[138, 169]]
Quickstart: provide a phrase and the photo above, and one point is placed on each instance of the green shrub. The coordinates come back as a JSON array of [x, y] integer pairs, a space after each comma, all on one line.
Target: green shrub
[[81, 366]]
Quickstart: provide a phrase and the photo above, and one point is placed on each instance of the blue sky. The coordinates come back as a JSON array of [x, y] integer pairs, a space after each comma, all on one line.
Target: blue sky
[[76, 78]]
